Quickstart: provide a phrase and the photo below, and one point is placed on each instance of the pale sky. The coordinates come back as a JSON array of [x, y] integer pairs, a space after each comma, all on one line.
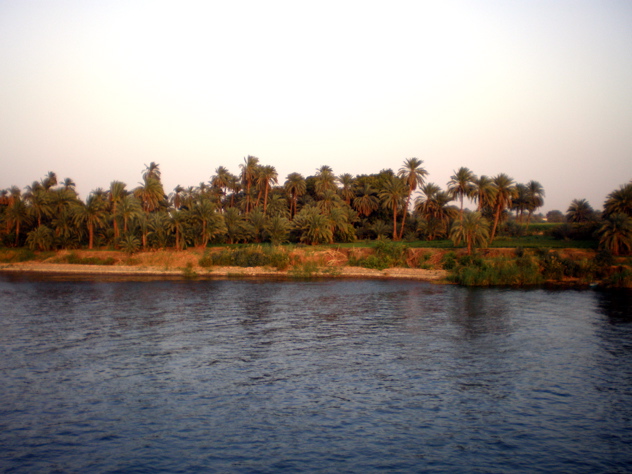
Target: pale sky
[[540, 90]]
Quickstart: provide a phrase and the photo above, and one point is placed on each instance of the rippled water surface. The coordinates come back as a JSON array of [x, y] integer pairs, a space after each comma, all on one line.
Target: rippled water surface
[[336, 376]]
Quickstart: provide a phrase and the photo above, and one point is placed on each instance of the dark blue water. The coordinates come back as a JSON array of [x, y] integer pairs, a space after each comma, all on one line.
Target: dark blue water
[[335, 376]]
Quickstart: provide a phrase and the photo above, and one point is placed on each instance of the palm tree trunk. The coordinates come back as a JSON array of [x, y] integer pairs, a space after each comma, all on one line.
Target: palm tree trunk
[[90, 236], [496, 219], [401, 232], [395, 222]]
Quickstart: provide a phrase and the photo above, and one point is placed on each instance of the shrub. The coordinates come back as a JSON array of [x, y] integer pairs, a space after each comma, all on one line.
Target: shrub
[[449, 261]]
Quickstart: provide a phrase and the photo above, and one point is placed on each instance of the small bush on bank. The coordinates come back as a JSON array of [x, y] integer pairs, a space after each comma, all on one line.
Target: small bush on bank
[[247, 257], [497, 272], [387, 254], [74, 259]]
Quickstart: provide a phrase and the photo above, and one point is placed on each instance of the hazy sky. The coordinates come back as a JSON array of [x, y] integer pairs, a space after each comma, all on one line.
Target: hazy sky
[[541, 90]]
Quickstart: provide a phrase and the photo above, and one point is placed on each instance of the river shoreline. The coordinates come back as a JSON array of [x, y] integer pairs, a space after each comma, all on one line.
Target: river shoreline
[[436, 276]]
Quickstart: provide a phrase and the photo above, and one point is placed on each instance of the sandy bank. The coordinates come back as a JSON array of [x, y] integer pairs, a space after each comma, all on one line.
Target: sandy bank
[[221, 272]]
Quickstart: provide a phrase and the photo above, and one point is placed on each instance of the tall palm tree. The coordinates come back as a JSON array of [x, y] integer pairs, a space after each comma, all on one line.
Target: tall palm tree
[[17, 216], [484, 192], [346, 191], [49, 180], [267, 176], [325, 180], [128, 209], [413, 174], [619, 201], [505, 193], [116, 195], [366, 201], [615, 234], [92, 214], [248, 177], [579, 211], [520, 202], [432, 206], [152, 171], [221, 179], [461, 185], [392, 195], [295, 186], [535, 198], [471, 228], [68, 184], [150, 193], [211, 222], [40, 204]]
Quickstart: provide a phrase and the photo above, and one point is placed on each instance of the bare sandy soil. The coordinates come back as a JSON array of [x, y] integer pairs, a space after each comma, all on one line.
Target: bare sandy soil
[[221, 272]]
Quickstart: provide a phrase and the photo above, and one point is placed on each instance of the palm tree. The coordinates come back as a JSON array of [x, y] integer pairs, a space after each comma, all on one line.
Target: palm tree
[[152, 171], [176, 197], [150, 193], [295, 186], [39, 203], [520, 202], [392, 195], [212, 223], [461, 185], [484, 192], [40, 238], [69, 184], [579, 211], [366, 201], [17, 215], [619, 201], [615, 234], [267, 176], [413, 174], [92, 214], [432, 207], [535, 198], [235, 225], [346, 191], [328, 200], [277, 229], [471, 228], [49, 181], [505, 193], [129, 208], [221, 179], [255, 224], [325, 180], [248, 176], [116, 195], [314, 228]]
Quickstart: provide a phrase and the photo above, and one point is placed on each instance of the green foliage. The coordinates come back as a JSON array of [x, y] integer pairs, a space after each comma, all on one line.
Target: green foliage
[[74, 259], [252, 256], [448, 262], [496, 272], [16, 256], [387, 254], [305, 270], [188, 271], [130, 244]]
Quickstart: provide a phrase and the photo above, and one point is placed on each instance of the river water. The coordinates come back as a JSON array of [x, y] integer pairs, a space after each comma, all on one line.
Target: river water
[[334, 376]]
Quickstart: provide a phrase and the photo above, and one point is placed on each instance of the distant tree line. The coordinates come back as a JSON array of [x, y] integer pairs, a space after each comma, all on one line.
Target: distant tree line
[[254, 206]]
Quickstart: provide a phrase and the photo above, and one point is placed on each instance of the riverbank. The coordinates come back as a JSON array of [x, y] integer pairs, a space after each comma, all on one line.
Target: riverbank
[[492, 267], [438, 276]]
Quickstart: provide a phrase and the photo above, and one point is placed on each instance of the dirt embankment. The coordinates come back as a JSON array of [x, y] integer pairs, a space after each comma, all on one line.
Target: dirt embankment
[[305, 262]]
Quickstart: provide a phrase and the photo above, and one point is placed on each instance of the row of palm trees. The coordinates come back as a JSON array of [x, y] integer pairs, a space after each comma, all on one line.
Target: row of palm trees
[[253, 207], [614, 223]]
